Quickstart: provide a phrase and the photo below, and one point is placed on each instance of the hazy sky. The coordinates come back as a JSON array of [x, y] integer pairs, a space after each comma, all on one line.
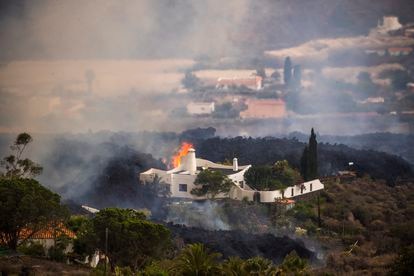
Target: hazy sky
[[54, 52], [118, 29], [80, 65]]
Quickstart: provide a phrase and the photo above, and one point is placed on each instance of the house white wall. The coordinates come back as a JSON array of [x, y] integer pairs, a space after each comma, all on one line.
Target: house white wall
[[239, 193], [200, 108]]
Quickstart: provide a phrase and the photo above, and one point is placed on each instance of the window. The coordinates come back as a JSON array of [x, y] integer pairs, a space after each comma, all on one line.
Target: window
[[310, 188], [241, 184], [182, 187], [301, 188], [292, 192]]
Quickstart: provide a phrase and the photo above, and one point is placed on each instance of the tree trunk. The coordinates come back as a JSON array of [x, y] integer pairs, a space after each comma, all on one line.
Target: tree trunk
[[319, 213]]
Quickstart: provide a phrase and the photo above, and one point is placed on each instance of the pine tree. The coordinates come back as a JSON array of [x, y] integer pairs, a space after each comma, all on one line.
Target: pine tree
[[287, 71]]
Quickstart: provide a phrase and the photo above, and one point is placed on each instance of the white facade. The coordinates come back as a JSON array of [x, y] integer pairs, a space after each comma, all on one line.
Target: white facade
[[388, 24], [181, 181], [239, 193], [200, 108]]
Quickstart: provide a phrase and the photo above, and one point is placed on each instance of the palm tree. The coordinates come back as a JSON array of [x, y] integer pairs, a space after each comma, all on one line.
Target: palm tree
[[234, 266], [196, 260], [260, 266]]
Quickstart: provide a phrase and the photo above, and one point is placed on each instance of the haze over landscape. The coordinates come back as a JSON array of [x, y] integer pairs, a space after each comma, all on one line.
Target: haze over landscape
[[64, 73], [301, 110]]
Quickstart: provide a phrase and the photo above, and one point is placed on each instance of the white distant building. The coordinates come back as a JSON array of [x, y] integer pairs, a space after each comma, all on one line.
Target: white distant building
[[181, 181], [200, 108], [373, 100], [388, 24]]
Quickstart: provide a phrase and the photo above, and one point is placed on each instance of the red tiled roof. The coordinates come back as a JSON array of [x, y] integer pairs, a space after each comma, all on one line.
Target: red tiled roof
[[49, 233], [286, 201], [264, 108], [400, 49]]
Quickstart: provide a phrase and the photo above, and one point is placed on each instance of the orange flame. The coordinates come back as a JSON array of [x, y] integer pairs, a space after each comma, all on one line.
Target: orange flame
[[176, 159]]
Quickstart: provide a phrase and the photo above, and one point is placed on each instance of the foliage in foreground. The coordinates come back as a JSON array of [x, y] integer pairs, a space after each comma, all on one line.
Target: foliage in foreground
[[196, 259], [25, 208], [132, 240]]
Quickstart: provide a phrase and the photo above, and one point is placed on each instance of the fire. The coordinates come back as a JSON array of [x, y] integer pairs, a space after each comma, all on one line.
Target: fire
[[176, 159]]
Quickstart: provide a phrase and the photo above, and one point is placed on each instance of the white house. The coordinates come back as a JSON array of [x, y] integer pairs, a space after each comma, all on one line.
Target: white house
[[181, 180], [388, 24], [200, 108]]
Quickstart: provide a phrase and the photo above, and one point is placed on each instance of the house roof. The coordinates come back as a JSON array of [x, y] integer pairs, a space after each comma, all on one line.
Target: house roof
[[286, 201], [225, 171], [400, 49], [49, 232], [264, 108]]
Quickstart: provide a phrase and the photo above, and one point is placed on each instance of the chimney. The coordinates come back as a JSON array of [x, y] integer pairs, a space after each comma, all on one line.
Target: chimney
[[235, 164], [191, 164]]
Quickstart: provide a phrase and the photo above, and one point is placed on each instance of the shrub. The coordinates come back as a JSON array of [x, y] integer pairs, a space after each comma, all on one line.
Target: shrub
[[32, 249]]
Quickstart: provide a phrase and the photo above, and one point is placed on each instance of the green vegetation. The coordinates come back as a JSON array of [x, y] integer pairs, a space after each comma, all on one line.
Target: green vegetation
[[195, 259], [14, 165], [309, 159], [190, 81], [369, 219], [404, 264], [211, 183], [278, 176], [25, 208], [133, 240]]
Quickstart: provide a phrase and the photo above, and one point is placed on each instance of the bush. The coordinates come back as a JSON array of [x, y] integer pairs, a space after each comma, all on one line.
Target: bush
[[34, 249]]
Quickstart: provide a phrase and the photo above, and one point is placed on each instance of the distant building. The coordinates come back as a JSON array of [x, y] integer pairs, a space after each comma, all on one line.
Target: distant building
[[400, 51], [373, 100], [409, 32], [386, 25], [264, 108], [253, 82], [200, 108], [379, 52]]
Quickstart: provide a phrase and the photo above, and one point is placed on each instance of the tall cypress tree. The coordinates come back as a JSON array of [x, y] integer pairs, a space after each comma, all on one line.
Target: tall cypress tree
[[309, 159], [287, 71], [313, 157], [297, 76]]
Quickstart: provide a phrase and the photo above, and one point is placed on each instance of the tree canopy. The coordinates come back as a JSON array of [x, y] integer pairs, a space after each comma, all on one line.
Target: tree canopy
[[132, 240], [309, 159], [211, 183], [196, 259], [25, 208], [278, 176], [17, 166]]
